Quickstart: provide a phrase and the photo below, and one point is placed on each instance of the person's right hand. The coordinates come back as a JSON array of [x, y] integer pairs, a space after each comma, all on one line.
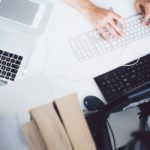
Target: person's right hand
[[143, 8], [105, 20]]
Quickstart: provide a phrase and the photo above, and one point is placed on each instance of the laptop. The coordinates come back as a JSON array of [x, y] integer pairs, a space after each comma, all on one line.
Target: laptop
[[20, 24]]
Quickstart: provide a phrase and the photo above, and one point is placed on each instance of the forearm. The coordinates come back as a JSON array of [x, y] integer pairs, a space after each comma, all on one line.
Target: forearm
[[81, 5]]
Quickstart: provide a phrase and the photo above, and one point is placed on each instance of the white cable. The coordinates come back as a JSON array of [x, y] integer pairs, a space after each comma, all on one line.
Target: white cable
[[137, 61]]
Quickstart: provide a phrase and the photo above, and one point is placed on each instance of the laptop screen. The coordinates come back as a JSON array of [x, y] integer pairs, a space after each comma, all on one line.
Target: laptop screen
[[22, 11]]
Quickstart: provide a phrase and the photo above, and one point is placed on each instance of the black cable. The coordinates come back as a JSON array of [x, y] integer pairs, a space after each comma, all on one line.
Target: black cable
[[113, 136]]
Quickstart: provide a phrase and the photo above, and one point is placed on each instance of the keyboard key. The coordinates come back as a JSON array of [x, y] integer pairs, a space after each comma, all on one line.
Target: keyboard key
[[18, 62], [14, 66], [7, 59], [1, 52], [3, 58], [3, 62], [12, 79], [15, 57], [3, 72], [6, 77], [8, 74], [12, 60], [13, 75], [7, 69], [11, 55], [5, 53], [1, 76], [20, 58], [14, 70], [3, 67], [8, 64]]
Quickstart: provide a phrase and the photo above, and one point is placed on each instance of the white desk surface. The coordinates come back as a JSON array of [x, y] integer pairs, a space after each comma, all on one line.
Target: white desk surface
[[53, 56]]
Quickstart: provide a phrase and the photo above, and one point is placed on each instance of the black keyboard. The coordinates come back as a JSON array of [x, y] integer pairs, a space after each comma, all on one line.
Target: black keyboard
[[120, 81], [9, 65]]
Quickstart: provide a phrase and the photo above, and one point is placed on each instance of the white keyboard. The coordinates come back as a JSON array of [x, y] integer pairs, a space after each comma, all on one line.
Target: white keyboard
[[91, 44]]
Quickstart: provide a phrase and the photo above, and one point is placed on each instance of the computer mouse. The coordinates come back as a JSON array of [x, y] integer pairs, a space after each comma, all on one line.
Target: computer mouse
[[93, 103]]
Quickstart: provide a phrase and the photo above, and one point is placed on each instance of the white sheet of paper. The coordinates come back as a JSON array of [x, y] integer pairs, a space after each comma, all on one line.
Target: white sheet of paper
[[11, 137]]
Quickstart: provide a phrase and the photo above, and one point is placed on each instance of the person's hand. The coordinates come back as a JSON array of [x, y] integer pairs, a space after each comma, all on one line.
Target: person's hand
[[105, 21], [143, 8]]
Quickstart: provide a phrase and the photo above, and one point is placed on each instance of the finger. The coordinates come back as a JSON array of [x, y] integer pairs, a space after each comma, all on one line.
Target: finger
[[117, 28], [137, 7], [147, 13], [102, 30], [148, 24], [112, 32], [103, 33], [118, 18]]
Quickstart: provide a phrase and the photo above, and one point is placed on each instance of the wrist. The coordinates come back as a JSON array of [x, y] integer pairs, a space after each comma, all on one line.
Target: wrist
[[87, 8]]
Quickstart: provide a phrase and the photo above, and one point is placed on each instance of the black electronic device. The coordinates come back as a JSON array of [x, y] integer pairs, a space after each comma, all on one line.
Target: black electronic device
[[93, 103], [118, 84], [97, 122]]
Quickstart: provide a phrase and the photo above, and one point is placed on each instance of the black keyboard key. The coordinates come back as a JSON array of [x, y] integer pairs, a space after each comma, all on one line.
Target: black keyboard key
[[20, 58], [11, 55], [3, 72], [7, 69], [1, 52], [15, 57], [8, 64], [1, 76], [13, 75], [14, 66], [3, 62], [18, 62], [6, 77], [3, 67], [3, 58], [12, 79], [12, 60], [14, 70], [8, 74], [7, 59], [5, 53]]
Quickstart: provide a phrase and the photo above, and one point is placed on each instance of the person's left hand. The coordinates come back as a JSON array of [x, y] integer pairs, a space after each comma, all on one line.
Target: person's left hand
[[143, 7]]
